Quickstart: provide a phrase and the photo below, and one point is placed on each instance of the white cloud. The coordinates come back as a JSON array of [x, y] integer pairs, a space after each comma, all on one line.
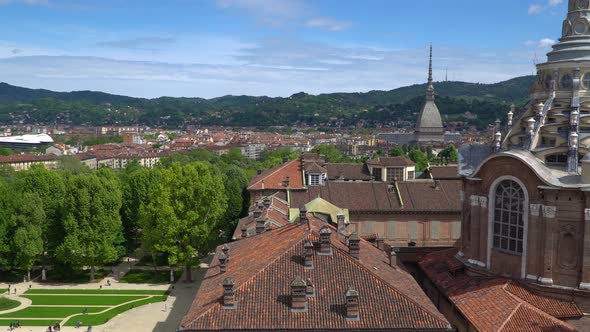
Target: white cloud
[[543, 43], [328, 24], [539, 8]]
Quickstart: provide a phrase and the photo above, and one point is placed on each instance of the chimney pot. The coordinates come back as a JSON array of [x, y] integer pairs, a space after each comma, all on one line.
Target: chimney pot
[[222, 263], [260, 225], [298, 295], [325, 244], [244, 231], [257, 213], [229, 297], [354, 245], [341, 222], [225, 250], [285, 160], [308, 255], [288, 182], [310, 290], [303, 214], [394, 258], [258, 172], [266, 202], [352, 304], [379, 242]]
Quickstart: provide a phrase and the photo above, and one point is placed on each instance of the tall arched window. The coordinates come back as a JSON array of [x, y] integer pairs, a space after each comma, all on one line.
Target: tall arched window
[[508, 217]]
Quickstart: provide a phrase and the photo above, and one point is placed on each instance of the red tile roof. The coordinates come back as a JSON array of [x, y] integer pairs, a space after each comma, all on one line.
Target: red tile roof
[[493, 303], [277, 215], [391, 162], [274, 178], [264, 265]]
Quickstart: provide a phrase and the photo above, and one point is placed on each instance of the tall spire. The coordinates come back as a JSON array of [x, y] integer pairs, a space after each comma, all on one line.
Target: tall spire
[[430, 88]]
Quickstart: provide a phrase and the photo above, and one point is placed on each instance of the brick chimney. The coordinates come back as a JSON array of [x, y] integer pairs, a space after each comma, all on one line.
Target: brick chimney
[[258, 172], [308, 255], [222, 263], [285, 160], [244, 232], [229, 295], [288, 182], [266, 202], [354, 245], [325, 244], [225, 250], [260, 225], [303, 214], [394, 258], [341, 222], [310, 289], [298, 297], [379, 242], [257, 213], [352, 305]]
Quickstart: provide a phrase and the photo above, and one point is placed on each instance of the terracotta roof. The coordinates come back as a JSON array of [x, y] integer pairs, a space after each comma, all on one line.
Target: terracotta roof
[[277, 215], [494, 303], [274, 178], [314, 168], [391, 162], [353, 171], [379, 196], [263, 267], [27, 157]]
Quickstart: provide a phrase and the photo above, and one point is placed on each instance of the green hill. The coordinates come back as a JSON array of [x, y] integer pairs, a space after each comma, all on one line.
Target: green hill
[[36, 106]]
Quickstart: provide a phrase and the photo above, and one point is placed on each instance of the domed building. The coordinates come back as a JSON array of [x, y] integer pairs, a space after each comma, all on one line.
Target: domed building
[[524, 259], [429, 127], [526, 207]]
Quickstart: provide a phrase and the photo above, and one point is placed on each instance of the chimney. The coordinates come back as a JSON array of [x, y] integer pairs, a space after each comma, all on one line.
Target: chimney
[[310, 289], [258, 172], [308, 255], [257, 213], [266, 202], [260, 225], [394, 258], [325, 245], [352, 304], [379, 242], [225, 250], [288, 181], [229, 298], [303, 214], [285, 160], [298, 297], [244, 232], [222, 263], [354, 245], [341, 222]]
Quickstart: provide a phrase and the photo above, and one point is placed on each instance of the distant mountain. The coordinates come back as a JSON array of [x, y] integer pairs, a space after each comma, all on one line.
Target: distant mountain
[[485, 102]]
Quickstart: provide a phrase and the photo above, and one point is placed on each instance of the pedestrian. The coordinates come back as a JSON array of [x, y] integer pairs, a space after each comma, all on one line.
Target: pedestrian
[[17, 323], [14, 290], [50, 329], [11, 326], [85, 311], [89, 328], [78, 324], [165, 307]]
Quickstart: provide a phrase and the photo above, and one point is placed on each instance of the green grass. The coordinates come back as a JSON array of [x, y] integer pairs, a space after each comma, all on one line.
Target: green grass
[[149, 276], [95, 291], [7, 304], [27, 322], [80, 300], [50, 312], [105, 317]]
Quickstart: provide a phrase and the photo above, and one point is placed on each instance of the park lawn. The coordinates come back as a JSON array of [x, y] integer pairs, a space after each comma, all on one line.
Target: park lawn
[[28, 322], [50, 312], [95, 291], [149, 276], [7, 304], [99, 319], [107, 300]]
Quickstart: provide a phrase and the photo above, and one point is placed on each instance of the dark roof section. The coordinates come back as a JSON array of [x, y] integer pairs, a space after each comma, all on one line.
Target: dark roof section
[[493, 303], [314, 168], [450, 172], [426, 196], [391, 162], [348, 172], [263, 267]]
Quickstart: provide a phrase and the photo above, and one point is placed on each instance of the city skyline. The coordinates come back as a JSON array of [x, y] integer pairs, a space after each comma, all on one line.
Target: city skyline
[[211, 48]]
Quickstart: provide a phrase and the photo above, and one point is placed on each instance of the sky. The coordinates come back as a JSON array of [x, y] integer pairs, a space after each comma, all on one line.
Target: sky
[[212, 48]]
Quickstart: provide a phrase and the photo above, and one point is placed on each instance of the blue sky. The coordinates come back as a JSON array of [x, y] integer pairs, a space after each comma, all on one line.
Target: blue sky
[[210, 48]]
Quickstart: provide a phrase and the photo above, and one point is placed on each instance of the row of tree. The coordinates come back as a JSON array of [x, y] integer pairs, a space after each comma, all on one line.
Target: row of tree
[[76, 217]]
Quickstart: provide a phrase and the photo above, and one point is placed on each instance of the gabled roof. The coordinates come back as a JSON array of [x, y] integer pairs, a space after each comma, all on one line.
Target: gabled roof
[[348, 171], [276, 215], [314, 168], [275, 178], [263, 267], [493, 303]]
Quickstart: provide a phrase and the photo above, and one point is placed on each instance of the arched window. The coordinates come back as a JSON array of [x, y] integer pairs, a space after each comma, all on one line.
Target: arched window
[[508, 217]]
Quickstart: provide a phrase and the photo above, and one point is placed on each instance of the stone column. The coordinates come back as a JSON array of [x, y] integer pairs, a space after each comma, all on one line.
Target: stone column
[[546, 276], [532, 263], [474, 231], [483, 231], [585, 283]]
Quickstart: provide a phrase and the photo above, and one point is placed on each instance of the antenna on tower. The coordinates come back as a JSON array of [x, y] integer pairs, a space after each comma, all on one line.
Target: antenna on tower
[[446, 74]]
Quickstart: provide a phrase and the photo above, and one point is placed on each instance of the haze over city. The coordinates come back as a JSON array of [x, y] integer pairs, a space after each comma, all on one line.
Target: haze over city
[[210, 48]]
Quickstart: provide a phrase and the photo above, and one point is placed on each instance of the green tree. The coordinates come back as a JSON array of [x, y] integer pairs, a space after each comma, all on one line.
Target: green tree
[[396, 152], [5, 205], [26, 221], [449, 154], [330, 152], [419, 158], [235, 183], [92, 223], [72, 165], [5, 152], [184, 216]]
